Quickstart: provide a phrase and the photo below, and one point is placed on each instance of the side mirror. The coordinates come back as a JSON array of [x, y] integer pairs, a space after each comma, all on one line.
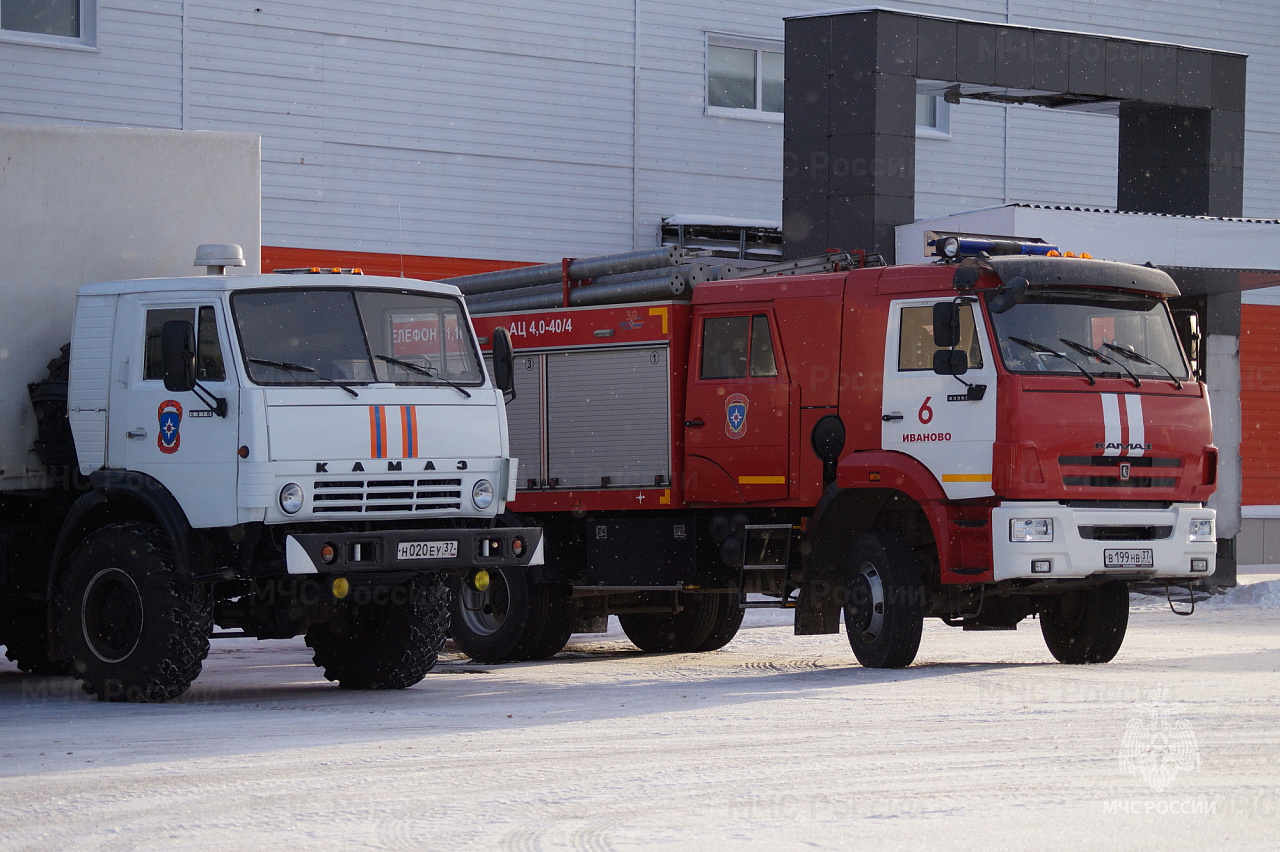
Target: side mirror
[[1011, 294], [504, 363], [178, 355], [1187, 322], [951, 362], [946, 324]]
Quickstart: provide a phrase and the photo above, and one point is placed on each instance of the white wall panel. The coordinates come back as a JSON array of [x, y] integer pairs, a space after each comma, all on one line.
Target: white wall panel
[[133, 78], [1057, 157], [532, 129]]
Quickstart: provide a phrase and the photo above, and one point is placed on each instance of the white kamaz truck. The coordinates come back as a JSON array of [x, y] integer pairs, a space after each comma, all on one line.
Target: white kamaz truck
[[276, 455]]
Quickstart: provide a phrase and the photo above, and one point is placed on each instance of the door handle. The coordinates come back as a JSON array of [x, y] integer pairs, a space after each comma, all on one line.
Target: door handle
[[137, 433], [696, 423], [891, 416]]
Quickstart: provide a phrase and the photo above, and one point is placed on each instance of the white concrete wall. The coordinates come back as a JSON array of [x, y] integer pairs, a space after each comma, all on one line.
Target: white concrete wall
[[100, 204]]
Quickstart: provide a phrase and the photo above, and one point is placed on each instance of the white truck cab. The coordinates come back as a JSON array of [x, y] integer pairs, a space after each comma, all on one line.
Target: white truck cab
[[290, 454]]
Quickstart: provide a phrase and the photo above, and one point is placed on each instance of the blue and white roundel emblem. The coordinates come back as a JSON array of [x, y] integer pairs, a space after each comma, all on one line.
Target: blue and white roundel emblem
[[170, 415], [735, 415]]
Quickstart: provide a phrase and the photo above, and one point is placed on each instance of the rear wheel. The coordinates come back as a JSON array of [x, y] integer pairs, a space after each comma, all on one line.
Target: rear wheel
[[725, 625], [24, 631], [704, 623], [884, 613], [1088, 626], [388, 643], [513, 620], [133, 630]]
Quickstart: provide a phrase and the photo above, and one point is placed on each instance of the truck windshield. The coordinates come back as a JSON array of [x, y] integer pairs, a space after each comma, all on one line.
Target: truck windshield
[[354, 336], [1127, 329]]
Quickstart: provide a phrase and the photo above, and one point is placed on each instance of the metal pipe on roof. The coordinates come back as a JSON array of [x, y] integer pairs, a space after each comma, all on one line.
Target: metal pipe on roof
[[582, 268], [669, 286]]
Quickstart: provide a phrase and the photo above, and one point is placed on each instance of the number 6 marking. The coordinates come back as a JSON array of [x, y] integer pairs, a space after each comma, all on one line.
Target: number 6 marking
[[925, 414]]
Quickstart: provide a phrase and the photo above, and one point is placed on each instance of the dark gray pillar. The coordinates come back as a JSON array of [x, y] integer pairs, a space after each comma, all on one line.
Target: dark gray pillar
[[1180, 160], [849, 150]]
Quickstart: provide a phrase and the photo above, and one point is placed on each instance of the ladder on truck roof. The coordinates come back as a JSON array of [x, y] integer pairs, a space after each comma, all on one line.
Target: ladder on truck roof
[[663, 273]]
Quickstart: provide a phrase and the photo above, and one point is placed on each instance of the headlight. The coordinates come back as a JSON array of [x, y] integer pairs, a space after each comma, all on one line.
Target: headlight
[[291, 499], [1031, 529], [1202, 531], [482, 494]]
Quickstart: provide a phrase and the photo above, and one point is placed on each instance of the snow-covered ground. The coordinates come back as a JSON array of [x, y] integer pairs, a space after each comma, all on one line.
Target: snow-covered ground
[[776, 741]]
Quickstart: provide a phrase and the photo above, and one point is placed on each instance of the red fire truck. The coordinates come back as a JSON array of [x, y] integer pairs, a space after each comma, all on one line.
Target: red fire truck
[[999, 434]]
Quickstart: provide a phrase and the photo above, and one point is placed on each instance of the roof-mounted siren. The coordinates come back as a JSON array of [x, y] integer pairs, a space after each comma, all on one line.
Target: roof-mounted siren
[[216, 257], [954, 247]]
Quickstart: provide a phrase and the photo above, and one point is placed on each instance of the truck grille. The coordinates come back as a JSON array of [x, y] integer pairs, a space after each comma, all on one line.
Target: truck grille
[[377, 496], [1125, 533], [1105, 471]]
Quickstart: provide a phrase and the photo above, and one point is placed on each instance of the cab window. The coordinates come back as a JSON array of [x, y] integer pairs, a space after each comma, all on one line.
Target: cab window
[[209, 363], [915, 338], [737, 347], [209, 366]]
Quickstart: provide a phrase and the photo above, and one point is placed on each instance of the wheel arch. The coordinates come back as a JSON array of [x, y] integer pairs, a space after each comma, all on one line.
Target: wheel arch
[[122, 496], [840, 518]]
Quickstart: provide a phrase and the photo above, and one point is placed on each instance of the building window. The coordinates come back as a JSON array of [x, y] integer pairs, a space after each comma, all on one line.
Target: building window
[[58, 22], [744, 77], [933, 116]]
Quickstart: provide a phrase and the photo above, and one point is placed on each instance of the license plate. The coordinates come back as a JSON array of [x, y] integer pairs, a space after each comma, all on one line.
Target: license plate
[[427, 550], [1128, 558]]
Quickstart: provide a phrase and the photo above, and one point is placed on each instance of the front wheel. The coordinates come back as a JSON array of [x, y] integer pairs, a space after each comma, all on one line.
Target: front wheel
[[1088, 626], [388, 642], [884, 610], [513, 620], [133, 630]]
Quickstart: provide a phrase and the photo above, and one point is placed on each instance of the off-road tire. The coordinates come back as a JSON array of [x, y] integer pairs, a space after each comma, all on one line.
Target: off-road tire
[[697, 627], [1088, 626], [132, 630], [884, 601], [385, 645], [24, 632], [514, 620]]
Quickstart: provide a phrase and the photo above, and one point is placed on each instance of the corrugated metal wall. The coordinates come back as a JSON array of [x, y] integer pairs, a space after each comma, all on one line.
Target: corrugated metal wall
[[532, 129]]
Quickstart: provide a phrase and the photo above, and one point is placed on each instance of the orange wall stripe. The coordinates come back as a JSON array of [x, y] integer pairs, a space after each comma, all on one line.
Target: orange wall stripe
[[1259, 404], [408, 266]]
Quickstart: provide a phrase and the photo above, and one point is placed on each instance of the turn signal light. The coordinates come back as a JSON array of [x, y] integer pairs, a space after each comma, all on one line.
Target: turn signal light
[[328, 553]]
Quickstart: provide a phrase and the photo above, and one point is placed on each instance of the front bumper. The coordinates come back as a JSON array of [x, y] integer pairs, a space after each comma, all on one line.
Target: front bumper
[[1083, 537], [451, 550]]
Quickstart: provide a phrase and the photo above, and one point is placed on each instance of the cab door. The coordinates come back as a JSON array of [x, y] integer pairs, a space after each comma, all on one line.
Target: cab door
[[176, 438], [737, 409], [944, 421]]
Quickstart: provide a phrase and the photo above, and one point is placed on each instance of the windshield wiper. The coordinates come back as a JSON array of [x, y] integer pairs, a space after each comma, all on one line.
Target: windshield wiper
[[429, 372], [1045, 350], [1094, 353], [302, 368], [1143, 359]]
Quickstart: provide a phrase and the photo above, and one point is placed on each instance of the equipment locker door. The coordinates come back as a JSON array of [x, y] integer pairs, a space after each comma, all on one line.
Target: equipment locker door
[[174, 437], [737, 412], [936, 419]]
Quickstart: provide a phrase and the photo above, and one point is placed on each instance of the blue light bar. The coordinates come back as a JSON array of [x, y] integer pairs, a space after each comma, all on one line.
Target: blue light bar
[[953, 246]]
